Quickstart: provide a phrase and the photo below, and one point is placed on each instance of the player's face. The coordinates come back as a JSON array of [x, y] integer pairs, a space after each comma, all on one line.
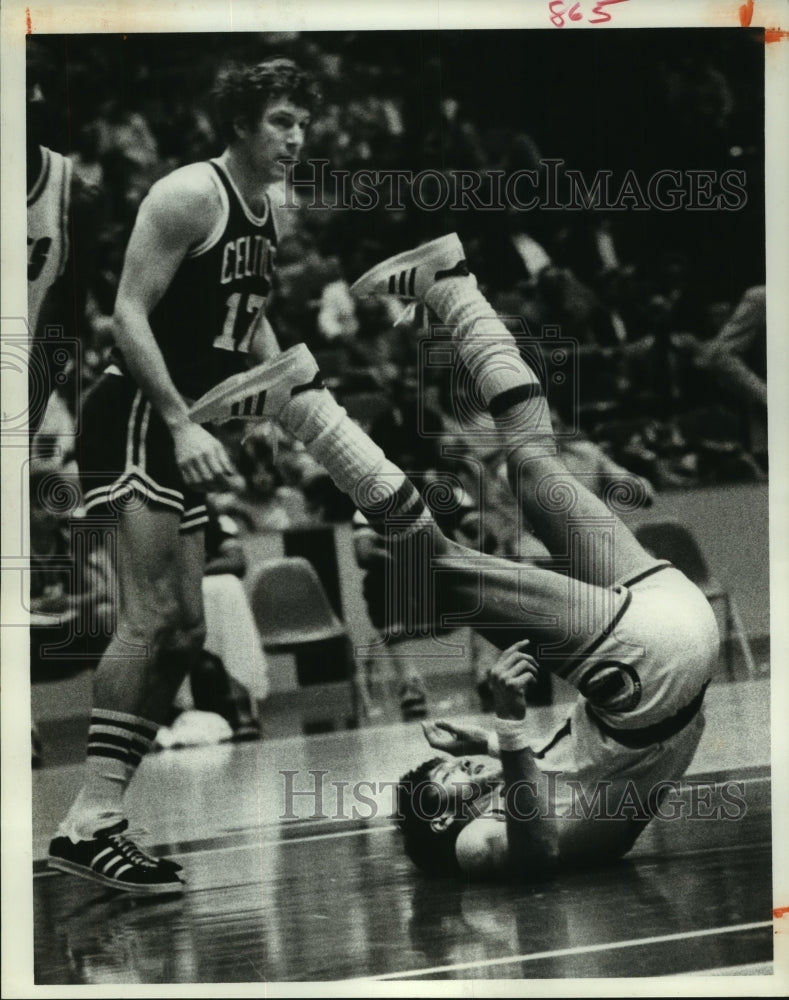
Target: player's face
[[464, 779], [278, 135]]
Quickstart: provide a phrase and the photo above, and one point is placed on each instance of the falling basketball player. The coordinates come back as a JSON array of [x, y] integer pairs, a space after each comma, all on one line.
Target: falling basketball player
[[631, 633]]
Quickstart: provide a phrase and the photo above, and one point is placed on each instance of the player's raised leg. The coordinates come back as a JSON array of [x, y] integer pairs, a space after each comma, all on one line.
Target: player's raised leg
[[602, 550]]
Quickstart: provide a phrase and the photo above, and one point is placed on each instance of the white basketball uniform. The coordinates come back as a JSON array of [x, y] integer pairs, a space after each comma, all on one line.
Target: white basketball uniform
[[48, 206], [665, 648]]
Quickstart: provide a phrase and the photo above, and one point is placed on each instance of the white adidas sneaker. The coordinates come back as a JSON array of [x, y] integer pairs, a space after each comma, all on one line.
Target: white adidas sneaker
[[409, 275], [261, 392]]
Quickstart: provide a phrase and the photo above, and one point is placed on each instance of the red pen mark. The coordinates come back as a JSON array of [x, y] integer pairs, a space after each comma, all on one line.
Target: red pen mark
[[746, 13], [28, 21], [774, 35], [782, 911], [604, 15]]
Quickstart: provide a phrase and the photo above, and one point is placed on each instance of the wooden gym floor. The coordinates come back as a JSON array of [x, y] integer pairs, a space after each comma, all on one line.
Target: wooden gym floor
[[284, 889]]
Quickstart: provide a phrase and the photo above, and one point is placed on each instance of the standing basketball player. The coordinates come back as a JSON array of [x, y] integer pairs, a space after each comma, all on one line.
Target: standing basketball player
[[62, 210], [189, 313], [50, 176]]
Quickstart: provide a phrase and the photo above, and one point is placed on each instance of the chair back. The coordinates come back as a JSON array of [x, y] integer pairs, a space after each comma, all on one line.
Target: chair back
[[673, 541], [290, 606]]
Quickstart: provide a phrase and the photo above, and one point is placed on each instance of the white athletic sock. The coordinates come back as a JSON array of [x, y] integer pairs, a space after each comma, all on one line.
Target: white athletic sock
[[506, 385], [358, 467], [117, 743]]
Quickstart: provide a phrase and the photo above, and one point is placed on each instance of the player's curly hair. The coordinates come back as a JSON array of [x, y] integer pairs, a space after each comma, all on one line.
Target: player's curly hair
[[242, 91], [432, 851]]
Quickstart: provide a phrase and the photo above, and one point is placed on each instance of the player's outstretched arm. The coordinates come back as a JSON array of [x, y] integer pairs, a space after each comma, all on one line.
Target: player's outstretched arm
[[176, 215], [527, 844]]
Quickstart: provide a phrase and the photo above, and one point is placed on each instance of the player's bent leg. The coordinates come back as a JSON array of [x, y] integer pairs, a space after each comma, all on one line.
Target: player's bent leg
[[507, 601], [578, 529]]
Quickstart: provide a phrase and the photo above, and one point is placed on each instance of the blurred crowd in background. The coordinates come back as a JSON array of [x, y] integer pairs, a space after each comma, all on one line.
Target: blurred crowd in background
[[664, 310], [647, 326]]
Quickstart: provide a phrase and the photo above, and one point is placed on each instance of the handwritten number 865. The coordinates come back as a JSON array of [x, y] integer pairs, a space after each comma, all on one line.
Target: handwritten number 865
[[559, 11]]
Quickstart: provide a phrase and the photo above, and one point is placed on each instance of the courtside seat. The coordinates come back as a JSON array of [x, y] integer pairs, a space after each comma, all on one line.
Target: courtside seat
[[673, 541], [293, 615]]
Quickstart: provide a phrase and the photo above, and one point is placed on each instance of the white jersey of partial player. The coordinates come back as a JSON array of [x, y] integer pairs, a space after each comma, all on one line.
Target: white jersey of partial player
[[48, 206]]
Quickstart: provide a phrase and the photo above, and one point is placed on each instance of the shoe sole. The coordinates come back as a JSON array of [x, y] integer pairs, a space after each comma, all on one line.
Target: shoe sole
[[241, 389], [409, 258], [70, 868]]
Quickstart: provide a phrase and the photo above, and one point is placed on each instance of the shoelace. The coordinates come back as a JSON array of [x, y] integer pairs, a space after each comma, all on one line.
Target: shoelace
[[131, 851]]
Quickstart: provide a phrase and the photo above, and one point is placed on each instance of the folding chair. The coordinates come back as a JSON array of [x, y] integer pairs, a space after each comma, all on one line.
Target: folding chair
[[673, 541], [293, 615]]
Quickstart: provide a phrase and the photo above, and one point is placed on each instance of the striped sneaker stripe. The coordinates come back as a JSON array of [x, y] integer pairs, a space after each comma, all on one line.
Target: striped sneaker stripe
[[107, 850]]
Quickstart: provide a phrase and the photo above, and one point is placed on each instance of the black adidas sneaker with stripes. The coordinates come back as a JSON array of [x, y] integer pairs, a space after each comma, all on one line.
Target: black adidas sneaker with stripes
[[114, 860], [409, 275]]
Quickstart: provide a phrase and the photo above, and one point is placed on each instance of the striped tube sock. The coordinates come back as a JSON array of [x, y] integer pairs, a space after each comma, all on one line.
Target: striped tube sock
[[358, 467], [506, 385], [117, 743]]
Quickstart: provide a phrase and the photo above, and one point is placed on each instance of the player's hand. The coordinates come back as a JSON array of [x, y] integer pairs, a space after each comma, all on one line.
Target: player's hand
[[509, 677], [454, 740], [202, 460]]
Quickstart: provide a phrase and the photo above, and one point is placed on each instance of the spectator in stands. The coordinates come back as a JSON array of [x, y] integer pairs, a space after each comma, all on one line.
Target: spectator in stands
[[737, 359], [269, 503]]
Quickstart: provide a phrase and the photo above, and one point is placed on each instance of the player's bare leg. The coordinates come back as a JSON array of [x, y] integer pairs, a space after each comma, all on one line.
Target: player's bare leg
[[160, 631]]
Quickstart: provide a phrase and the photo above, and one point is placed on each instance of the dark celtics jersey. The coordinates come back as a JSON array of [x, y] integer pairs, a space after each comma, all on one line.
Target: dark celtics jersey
[[205, 320]]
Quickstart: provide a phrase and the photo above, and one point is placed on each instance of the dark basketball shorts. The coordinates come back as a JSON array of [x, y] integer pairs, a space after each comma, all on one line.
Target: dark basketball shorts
[[126, 457]]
